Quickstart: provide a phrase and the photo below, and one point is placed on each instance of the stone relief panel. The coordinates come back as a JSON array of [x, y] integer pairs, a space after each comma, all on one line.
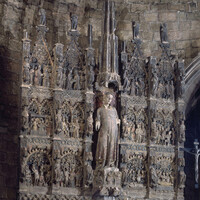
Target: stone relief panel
[[70, 121], [68, 169], [134, 169], [37, 65], [70, 72], [134, 122], [39, 117], [162, 128], [162, 170], [134, 67], [36, 167]]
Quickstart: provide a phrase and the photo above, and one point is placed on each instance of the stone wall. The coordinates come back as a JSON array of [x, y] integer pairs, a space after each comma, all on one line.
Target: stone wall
[[182, 18]]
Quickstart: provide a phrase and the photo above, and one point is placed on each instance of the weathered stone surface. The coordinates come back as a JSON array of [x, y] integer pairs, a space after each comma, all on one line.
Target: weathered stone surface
[[182, 19]]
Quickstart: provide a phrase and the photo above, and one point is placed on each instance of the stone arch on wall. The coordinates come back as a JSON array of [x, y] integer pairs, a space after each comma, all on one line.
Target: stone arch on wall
[[192, 82], [192, 118]]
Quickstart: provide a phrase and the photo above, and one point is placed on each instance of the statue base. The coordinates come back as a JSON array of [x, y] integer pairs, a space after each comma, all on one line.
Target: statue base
[[107, 182]]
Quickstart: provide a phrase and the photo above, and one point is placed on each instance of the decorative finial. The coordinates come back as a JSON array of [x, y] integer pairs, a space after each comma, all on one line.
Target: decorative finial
[[25, 34], [113, 20]]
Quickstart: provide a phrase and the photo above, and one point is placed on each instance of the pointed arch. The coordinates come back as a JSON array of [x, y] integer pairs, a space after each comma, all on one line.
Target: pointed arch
[[78, 113], [34, 107]]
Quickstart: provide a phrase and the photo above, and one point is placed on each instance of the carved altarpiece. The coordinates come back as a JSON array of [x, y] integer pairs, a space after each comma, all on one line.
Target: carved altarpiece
[[61, 91]]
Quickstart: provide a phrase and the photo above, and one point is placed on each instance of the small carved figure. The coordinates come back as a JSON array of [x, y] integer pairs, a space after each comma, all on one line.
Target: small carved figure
[[78, 177], [182, 132], [132, 131], [117, 178], [154, 82], [25, 116], [74, 22], [89, 174], [41, 125], [57, 170], [33, 67], [133, 89], [124, 175], [41, 179], [125, 125], [90, 78], [35, 124], [107, 123], [90, 123], [59, 121], [46, 78], [168, 138], [59, 81], [65, 128], [136, 28], [42, 14], [154, 177], [36, 175], [182, 179], [28, 177], [163, 33], [48, 124], [64, 81], [32, 71], [139, 133], [26, 73], [76, 80], [72, 178], [69, 80], [66, 174], [38, 76], [76, 129], [126, 81], [154, 130], [109, 178]]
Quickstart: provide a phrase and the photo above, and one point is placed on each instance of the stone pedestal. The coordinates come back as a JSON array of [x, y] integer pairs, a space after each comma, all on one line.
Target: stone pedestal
[[107, 183]]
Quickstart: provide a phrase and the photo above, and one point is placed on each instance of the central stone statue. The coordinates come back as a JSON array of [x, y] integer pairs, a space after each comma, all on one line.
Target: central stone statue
[[107, 122]]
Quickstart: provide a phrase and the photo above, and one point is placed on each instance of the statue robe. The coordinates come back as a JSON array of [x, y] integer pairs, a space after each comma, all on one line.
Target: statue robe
[[107, 144]]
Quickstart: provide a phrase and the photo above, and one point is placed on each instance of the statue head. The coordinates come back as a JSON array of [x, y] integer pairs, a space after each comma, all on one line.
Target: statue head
[[107, 99]]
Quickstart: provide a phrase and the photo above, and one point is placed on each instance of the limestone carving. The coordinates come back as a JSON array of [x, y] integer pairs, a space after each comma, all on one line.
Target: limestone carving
[[133, 135], [107, 123]]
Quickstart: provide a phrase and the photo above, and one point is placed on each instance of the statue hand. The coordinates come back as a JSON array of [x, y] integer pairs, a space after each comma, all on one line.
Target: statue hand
[[97, 125]]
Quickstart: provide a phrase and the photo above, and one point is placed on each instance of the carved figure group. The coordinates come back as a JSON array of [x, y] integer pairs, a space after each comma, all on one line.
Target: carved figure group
[[68, 171], [161, 171], [38, 126], [134, 170], [37, 171], [36, 74]]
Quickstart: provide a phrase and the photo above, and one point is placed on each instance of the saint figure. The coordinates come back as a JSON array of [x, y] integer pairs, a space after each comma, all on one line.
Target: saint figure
[[107, 123]]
